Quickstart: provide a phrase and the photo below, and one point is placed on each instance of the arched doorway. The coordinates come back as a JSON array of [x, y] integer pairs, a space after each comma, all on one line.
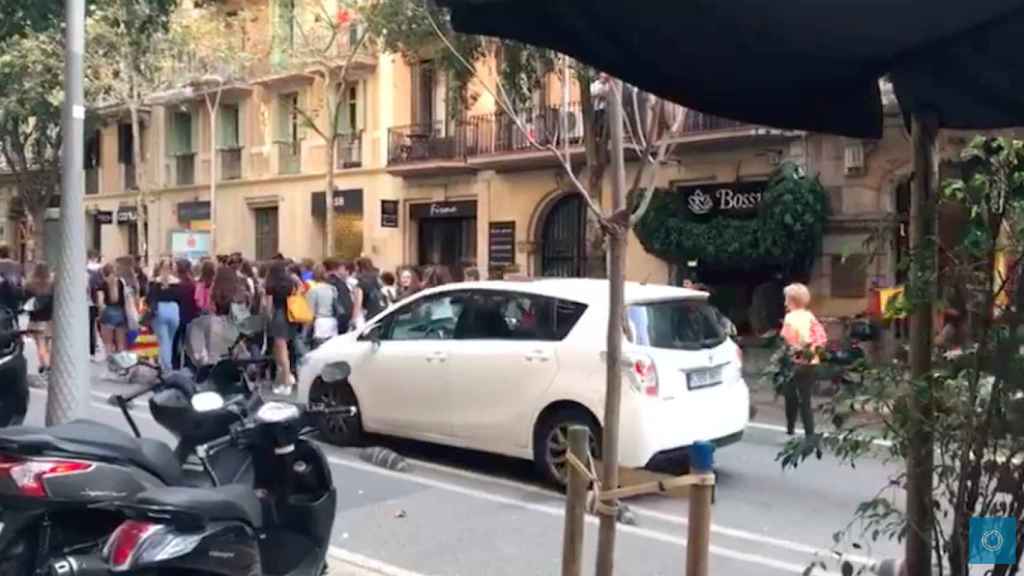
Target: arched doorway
[[563, 238]]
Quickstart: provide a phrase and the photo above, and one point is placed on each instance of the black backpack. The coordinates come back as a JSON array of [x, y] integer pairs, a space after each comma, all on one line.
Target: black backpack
[[374, 300], [343, 303]]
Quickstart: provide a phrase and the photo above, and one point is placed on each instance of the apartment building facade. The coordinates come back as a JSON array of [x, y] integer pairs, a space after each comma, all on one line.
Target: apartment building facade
[[413, 186]]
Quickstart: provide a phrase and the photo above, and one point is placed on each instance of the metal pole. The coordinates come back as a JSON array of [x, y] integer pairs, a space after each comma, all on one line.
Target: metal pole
[[71, 324], [575, 504], [616, 283], [921, 453], [698, 540]]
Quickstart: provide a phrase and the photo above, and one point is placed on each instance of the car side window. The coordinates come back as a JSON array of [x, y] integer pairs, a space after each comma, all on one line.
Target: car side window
[[517, 316], [431, 318]]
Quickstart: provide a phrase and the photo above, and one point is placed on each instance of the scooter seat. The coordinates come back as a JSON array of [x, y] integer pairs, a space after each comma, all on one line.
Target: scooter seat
[[93, 440], [233, 502]]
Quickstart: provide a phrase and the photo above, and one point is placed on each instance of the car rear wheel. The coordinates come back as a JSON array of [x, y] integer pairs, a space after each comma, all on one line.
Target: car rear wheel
[[337, 429], [551, 442]]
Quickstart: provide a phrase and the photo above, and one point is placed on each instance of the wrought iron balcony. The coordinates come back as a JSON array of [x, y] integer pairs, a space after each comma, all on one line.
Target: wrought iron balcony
[[348, 151], [424, 142], [185, 169], [231, 164]]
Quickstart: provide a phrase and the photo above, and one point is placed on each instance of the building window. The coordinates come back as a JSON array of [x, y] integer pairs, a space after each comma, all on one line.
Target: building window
[[285, 31], [289, 136], [126, 155], [230, 133], [181, 133], [265, 220], [424, 81], [92, 163], [850, 275]]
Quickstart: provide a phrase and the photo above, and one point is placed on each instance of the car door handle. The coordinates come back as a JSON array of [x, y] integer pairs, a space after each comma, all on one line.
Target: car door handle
[[537, 356], [438, 356]]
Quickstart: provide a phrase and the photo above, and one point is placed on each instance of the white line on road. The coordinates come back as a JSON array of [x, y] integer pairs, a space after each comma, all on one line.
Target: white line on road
[[557, 511], [369, 564], [649, 512], [776, 428]]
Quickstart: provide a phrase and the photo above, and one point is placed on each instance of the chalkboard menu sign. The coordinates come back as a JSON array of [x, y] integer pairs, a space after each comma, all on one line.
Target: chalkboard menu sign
[[389, 213], [501, 242]]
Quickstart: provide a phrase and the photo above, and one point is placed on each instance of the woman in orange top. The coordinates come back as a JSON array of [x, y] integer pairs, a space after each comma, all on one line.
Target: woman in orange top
[[806, 338]]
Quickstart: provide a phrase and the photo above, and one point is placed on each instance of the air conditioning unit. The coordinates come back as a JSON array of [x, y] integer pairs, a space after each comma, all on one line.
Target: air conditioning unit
[[854, 157]]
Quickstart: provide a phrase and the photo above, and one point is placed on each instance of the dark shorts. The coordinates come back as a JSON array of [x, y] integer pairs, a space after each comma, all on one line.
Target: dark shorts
[[114, 316], [280, 327]]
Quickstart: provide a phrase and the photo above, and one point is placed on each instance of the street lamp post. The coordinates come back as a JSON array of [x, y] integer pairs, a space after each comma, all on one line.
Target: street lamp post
[[71, 324]]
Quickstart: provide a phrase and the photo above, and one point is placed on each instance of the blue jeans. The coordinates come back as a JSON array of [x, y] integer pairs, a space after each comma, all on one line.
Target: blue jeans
[[165, 324]]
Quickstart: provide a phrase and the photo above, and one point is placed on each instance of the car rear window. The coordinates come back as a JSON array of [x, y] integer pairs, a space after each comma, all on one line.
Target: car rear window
[[676, 324]]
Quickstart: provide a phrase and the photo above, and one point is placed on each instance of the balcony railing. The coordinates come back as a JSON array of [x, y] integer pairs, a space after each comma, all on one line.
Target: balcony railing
[[231, 164], [499, 133], [697, 122], [185, 169], [348, 151], [425, 142], [289, 157], [92, 181]]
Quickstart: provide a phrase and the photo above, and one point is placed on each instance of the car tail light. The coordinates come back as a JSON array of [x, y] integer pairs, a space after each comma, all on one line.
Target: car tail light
[[30, 475], [646, 375], [125, 542]]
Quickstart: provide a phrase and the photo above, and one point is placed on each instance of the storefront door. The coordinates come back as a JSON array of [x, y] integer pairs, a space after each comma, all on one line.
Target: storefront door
[[564, 239], [450, 242]]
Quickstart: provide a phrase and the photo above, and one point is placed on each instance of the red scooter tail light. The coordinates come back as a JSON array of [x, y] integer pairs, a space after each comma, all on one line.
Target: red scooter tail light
[[30, 475], [125, 542]]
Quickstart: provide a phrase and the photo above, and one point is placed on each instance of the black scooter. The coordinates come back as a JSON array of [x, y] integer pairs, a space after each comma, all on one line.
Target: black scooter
[[13, 370], [280, 528]]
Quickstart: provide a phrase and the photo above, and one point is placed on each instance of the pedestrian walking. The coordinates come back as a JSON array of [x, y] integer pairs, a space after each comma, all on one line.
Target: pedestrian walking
[[114, 296], [40, 289], [408, 283], [369, 297], [164, 304], [281, 285], [471, 274], [189, 310], [806, 339], [207, 272], [94, 277], [437, 276], [323, 300], [337, 276]]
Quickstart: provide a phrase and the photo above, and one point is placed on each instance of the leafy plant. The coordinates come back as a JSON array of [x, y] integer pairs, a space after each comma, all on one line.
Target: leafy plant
[[785, 236]]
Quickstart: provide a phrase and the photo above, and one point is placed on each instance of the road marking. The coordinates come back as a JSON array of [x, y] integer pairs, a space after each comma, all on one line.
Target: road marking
[[651, 513], [367, 563], [776, 428], [557, 512]]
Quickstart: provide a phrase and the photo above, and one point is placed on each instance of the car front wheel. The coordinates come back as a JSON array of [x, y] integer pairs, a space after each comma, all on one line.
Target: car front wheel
[[338, 429], [551, 442]]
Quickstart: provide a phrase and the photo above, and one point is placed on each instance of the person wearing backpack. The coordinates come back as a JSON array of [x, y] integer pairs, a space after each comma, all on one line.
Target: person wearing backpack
[[369, 300], [337, 276]]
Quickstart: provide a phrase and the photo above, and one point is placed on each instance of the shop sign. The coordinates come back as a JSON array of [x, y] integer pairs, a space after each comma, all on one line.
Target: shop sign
[[501, 244], [343, 201], [127, 214], [104, 217], [190, 244], [190, 211], [389, 213], [739, 199], [463, 209]]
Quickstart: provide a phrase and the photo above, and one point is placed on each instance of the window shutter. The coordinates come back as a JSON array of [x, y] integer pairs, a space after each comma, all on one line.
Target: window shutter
[[360, 120], [415, 89], [227, 127], [124, 143]]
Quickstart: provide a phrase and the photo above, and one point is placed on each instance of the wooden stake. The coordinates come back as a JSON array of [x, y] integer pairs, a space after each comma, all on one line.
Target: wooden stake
[[575, 504], [698, 540]]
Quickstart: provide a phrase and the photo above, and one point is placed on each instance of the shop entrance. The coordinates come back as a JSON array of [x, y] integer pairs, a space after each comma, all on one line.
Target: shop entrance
[[446, 234], [266, 232], [563, 239]]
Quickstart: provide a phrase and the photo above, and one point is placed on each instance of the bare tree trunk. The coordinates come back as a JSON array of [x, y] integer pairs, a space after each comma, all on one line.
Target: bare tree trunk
[[595, 143], [333, 102], [617, 278], [140, 176], [921, 453], [37, 218]]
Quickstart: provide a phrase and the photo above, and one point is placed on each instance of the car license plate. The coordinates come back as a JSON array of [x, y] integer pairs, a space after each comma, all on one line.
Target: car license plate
[[704, 378]]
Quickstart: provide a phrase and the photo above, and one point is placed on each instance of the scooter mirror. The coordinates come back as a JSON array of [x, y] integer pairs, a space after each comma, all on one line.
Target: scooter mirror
[[207, 402]]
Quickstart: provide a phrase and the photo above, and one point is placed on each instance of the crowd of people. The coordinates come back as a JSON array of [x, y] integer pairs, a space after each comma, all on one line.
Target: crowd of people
[[304, 302]]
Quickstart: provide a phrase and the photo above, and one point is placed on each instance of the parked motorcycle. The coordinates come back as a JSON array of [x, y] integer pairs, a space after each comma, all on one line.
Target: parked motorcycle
[[280, 528], [13, 370], [50, 478]]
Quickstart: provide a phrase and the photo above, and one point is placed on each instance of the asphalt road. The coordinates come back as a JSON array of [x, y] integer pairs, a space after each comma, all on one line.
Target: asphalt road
[[460, 513]]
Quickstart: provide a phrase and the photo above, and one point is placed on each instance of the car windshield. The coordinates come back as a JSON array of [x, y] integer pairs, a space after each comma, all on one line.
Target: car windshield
[[678, 324]]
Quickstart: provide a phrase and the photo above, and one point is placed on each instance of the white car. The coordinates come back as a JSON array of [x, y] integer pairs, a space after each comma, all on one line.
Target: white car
[[507, 367]]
